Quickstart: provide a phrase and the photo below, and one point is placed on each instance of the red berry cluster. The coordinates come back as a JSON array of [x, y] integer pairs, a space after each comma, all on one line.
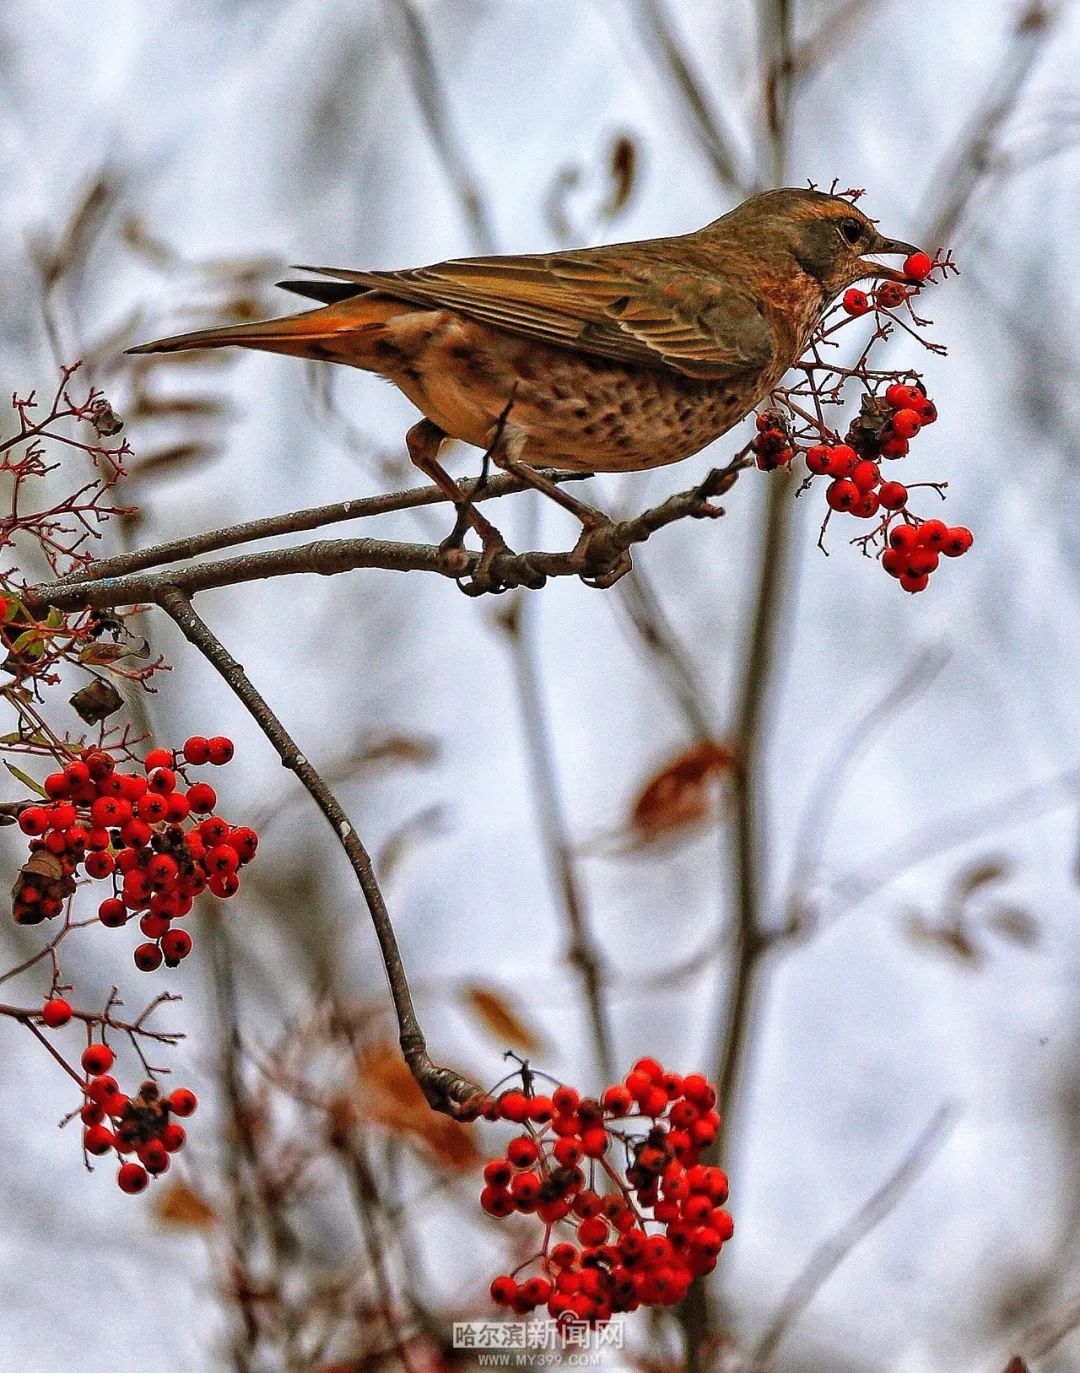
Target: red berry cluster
[[142, 1125], [156, 838], [917, 267], [771, 445], [884, 430], [609, 1260]]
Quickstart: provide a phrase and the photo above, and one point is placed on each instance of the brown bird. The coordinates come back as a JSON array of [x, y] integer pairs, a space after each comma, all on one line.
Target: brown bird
[[608, 359]]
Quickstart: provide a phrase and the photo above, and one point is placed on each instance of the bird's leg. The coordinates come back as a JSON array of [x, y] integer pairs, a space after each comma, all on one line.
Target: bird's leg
[[592, 520], [423, 441]]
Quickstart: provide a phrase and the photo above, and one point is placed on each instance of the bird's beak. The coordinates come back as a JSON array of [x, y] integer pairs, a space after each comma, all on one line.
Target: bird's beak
[[886, 246]]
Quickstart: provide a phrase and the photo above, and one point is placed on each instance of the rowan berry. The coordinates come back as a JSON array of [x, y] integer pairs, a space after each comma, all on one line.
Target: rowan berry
[[158, 758], [245, 841], [147, 958], [100, 1088], [503, 1290], [895, 448], [890, 295], [617, 1100], [905, 424], [112, 913], [892, 495], [541, 1108], [33, 820], [536, 1291], [903, 537], [903, 397], [221, 861], [56, 1012], [918, 266], [213, 830], [196, 750], [97, 1059], [219, 750], [173, 1136], [497, 1172], [154, 926], [151, 808], [865, 475], [595, 1141], [201, 797], [98, 1139], [224, 885], [565, 1100], [153, 1156], [957, 541], [99, 863], [856, 302], [933, 533], [177, 808], [522, 1151], [132, 1177], [593, 1232], [842, 494], [110, 811], [497, 1201], [57, 785], [525, 1189], [914, 584], [182, 1101]]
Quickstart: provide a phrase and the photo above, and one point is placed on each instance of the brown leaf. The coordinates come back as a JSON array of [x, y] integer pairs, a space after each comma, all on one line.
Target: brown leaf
[[1013, 923], [177, 1204], [683, 791], [96, 701], [389, 1095], [622, 168], [501, 1020]]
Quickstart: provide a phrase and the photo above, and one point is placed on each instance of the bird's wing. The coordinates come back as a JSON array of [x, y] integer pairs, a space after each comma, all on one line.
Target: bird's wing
[[638, 310]]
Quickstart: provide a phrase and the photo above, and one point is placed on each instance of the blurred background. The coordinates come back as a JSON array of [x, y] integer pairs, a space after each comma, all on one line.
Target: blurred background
[[871, 939]]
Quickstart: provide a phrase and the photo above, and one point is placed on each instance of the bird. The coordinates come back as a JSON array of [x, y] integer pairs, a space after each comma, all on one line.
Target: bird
[[614, 358]]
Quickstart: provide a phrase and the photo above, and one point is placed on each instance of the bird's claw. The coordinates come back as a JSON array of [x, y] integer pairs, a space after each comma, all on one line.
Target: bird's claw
[[604, 566]]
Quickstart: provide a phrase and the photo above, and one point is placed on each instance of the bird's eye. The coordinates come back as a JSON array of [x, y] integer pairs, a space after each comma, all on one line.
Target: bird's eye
[[851, 229]]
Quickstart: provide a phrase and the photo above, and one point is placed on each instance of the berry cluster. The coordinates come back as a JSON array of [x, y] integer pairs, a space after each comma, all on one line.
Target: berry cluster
[[917, 267], [142, 1125], [884, 429], [154, 837], [609, 1261]]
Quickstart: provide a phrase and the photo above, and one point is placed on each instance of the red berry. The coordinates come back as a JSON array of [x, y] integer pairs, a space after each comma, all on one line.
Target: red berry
[[154, 926], [158, 758], [894, 562], [99, 1139], [101, 1087], [245, 841], [151, 808], [221, 860], [110, 811], [594, 1141], [196, 750], [856, 302], [914, 584], [497, 1201], [866, 505], [842, 460], [219, 750], [161, 781], [568, 1151], [202, 797], [497, 1172], [593, 1232], [921, 561], [842, 494], [132, 1177], [536, 1291], [905, 424], [926, 410], [918, 266], [903, 537], [173, 1136], [865, 475], [933, 533], [147, 958], [33, 820], [565, 1100], [903, 397], [99, 863], [503, 1290], [112, 913], [56, 1012], [57, 785], [213, 831], [895, 448], [129, 786], [699, 1090], [97, 1059], [522, 1151], [541, 1108], [224, 885], [154, 1157], [176, 945], [183, 1101], [890, 295], [525, 1189], [616, 1100], [892, 495], [957, 541]]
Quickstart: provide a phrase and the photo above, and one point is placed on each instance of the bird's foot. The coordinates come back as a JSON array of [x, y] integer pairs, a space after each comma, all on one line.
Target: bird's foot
[[500, 569], [605, 560]]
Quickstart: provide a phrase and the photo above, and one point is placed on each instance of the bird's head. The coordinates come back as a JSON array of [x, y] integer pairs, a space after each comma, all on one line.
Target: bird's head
[[829, 237]]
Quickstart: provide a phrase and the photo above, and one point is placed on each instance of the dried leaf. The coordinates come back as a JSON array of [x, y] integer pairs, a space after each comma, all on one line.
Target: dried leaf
[[953, 940], [981, 874], [389, 1095], [96, 701], [179, 1205], [1013, 923], [622, 168], [683, 792], [501, 1020]]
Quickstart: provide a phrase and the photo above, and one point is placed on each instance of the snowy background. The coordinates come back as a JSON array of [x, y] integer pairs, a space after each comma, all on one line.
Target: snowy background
[[290, 130]]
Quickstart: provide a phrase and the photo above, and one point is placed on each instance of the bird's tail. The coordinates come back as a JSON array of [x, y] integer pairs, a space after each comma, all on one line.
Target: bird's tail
[[315, 333]]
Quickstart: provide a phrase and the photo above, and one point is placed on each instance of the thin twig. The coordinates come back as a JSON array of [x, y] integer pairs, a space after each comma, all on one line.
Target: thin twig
[[442, 1087], [828, 1256]]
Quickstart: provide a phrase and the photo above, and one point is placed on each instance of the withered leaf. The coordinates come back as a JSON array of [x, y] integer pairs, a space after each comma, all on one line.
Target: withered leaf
[[502, 1021], [96, 701], [179, 1205], [683, 791], [389, 1095], [622, 168]]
